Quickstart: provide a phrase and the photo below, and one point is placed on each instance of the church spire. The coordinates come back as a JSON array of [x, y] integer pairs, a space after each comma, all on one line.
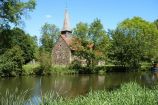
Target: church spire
[[66, 26]]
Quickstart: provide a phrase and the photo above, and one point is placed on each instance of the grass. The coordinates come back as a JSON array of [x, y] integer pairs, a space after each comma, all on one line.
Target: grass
[[30, 68], [128, 94], [13, 99], [62, 70]]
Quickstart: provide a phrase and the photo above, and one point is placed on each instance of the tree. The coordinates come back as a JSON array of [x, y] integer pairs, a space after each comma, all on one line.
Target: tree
[[100, 40], [11, 11], [50, 34], [81, 31], [124, 51], [156, 23], [10, 38], [135, 40], [11, 62], [93, 41]]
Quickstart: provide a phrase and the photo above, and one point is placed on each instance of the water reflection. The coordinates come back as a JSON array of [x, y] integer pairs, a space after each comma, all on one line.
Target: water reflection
[[72, 85]]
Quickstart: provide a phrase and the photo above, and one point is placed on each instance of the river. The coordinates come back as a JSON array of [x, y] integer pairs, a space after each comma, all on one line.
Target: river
[[72, 85]]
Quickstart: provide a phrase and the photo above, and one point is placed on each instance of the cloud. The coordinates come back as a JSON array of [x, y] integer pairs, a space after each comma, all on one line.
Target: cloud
[[48, 16]]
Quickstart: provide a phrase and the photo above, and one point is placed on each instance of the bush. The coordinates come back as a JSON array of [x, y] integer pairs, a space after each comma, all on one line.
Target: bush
[[11, 62], [30, 69], [75, 65], [45, 63]]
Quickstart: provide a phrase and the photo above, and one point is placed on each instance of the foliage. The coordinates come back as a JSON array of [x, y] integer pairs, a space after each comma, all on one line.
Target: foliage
[[14, 98], [50, 34], [76, 65], [134, 40], [45, 63], [10, 38], [58, 69], [11, 62], [128, 94], [81, 31], [30, 69], [94, 42], [11, 11], [156, 23]]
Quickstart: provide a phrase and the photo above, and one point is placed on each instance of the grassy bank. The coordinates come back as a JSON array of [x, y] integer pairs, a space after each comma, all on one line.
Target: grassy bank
[[34, 69], [128, 94]]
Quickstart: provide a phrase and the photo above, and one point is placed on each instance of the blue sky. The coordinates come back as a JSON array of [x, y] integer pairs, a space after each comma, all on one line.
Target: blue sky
[[110, 12]]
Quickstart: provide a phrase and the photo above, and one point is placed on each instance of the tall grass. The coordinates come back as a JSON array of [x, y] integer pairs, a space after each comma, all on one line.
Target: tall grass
[[128, 94], [14, 98]]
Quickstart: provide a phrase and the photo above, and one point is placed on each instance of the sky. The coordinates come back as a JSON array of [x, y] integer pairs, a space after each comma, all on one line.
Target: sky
[[110, 12]]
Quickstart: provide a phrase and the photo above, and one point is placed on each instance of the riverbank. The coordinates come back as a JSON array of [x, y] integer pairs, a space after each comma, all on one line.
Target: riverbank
[[127, 94], [34, 69]]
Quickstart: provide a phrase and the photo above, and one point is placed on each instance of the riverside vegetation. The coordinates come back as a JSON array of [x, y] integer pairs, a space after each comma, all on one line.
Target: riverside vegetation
[[127, 94]]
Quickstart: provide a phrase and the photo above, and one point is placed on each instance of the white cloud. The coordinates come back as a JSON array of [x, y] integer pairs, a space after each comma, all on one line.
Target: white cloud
[[48, 16]]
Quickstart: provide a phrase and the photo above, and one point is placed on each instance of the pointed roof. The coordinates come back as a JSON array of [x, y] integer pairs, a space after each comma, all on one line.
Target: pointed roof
[[66, 25]]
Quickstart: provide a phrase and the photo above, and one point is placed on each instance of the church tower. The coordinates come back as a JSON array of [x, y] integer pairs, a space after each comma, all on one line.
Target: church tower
[[66, 26]]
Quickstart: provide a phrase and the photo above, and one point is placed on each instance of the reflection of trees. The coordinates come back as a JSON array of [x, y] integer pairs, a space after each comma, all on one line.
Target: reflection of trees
[[20, 83], [69, 85]]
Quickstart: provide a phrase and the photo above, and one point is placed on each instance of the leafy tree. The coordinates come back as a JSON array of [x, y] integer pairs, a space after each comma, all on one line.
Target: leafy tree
[[11, 11], [50, 34], [10, 38], [100, 39], [45, 63], [11, 62], [93, 41], [133, 41], [124, 51], [156, 23], [81, 31]]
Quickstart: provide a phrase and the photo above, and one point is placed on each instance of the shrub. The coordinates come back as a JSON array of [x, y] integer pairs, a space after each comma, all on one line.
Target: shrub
[[30, 69], [75, 65], [45, 63], [11, 62]]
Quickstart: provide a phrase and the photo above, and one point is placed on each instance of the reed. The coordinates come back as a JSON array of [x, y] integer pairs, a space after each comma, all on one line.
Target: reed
[[127, 94]]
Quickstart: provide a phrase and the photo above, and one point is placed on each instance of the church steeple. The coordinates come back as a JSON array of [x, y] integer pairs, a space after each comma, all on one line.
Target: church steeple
[[66, 26]]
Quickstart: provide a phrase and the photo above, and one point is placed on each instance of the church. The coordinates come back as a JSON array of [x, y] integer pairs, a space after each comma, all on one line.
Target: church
[[66, 45], [62, 53]]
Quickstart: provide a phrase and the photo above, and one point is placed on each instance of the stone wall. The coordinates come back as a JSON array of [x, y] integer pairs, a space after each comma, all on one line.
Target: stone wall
[[61, 54]]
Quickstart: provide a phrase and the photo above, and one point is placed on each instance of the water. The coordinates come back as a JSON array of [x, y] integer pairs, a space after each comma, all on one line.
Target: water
[[71, 85]]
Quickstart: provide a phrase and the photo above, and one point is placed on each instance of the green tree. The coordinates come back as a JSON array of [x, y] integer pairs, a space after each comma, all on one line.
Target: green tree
[[100, 40], [10, 38], [50, 34], [81, 31], [11, 11], [93, 41], [135, 40], [156, 23], [11, 62], [124, 51], [45, 63]]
